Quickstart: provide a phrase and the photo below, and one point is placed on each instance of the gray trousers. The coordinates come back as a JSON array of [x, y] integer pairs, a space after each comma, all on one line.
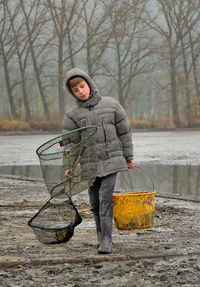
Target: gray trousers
[[100, 195]]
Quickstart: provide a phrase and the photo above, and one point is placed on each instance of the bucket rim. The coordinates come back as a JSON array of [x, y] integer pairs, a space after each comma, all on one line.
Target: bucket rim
[[134, 193]]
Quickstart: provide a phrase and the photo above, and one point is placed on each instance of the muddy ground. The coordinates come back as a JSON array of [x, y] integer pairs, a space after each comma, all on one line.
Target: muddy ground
[[167, 254]]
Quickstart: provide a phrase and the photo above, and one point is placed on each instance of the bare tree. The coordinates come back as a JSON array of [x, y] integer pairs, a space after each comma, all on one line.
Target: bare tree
[[194, 39], [77, 29], [97, 31], [65, 18], [7, 50], [187, 22], [174, 21], [129, 47], [34, 17], [164, 23], [22, 53], [195, 52]]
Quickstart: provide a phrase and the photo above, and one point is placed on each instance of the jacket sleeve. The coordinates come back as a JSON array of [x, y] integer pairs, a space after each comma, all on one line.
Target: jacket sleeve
[[124, 131]]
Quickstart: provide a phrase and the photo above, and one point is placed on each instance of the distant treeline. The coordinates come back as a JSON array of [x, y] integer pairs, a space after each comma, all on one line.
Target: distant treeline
[[144, 53]]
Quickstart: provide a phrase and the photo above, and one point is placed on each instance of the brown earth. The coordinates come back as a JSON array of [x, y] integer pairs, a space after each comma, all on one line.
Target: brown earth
[[167, 254]]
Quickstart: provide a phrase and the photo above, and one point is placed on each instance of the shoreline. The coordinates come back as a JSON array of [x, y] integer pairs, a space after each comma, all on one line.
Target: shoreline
[[39, 132]]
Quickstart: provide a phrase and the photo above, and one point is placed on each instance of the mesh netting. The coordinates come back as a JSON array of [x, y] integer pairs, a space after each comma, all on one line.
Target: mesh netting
[[55, 221], [75, 151]]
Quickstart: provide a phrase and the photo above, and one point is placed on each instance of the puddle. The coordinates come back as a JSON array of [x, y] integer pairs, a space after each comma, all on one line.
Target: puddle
[[20, 171], [173, 179]]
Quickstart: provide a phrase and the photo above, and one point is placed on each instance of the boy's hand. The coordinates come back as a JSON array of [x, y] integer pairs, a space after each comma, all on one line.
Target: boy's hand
[[69, 174], [130, 164]]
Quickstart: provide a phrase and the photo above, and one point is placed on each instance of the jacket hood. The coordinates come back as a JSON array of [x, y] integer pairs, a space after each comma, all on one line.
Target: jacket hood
[[94, 97]]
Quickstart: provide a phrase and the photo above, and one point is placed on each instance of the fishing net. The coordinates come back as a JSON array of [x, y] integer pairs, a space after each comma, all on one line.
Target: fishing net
[[74, 151], [55, 221]]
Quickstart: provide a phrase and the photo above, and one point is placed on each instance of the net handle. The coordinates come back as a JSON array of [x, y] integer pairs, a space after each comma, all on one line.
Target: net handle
[[67, 179]]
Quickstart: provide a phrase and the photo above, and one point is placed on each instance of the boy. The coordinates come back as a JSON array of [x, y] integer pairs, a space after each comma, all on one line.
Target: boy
[[114, 146]]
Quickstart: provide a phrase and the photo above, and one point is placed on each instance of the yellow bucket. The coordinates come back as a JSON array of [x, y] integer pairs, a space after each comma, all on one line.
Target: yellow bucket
[[134, 210]]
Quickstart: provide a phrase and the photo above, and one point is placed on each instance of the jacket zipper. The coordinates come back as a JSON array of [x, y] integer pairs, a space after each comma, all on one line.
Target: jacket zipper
[[105, 137]]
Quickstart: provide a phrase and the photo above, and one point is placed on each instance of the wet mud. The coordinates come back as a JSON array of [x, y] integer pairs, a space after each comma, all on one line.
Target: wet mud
[[167, 254]]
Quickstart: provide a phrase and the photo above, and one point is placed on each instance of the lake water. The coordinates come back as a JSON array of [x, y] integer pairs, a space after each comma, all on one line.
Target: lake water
[[171, 158]]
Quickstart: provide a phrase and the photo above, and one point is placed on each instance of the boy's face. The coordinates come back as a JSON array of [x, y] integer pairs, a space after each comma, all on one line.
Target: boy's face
[[81, 91]]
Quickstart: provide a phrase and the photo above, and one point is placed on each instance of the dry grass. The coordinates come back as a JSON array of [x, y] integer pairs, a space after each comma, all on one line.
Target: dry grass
[[12, 125], [54, 125], [9, 124], [141, 124]]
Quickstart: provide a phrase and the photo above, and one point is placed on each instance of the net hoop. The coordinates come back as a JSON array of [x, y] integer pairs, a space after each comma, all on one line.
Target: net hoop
[[42, 148]]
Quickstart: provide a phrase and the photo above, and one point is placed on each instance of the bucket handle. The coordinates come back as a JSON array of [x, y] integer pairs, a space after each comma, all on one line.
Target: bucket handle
[[150, 176]]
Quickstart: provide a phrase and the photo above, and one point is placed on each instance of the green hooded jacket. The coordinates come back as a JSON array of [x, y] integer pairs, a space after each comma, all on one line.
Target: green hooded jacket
[[114, 135]]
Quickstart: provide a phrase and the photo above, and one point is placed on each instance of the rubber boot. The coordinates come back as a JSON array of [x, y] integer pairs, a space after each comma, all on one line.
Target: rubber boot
[[98, 229], [106, 235]]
